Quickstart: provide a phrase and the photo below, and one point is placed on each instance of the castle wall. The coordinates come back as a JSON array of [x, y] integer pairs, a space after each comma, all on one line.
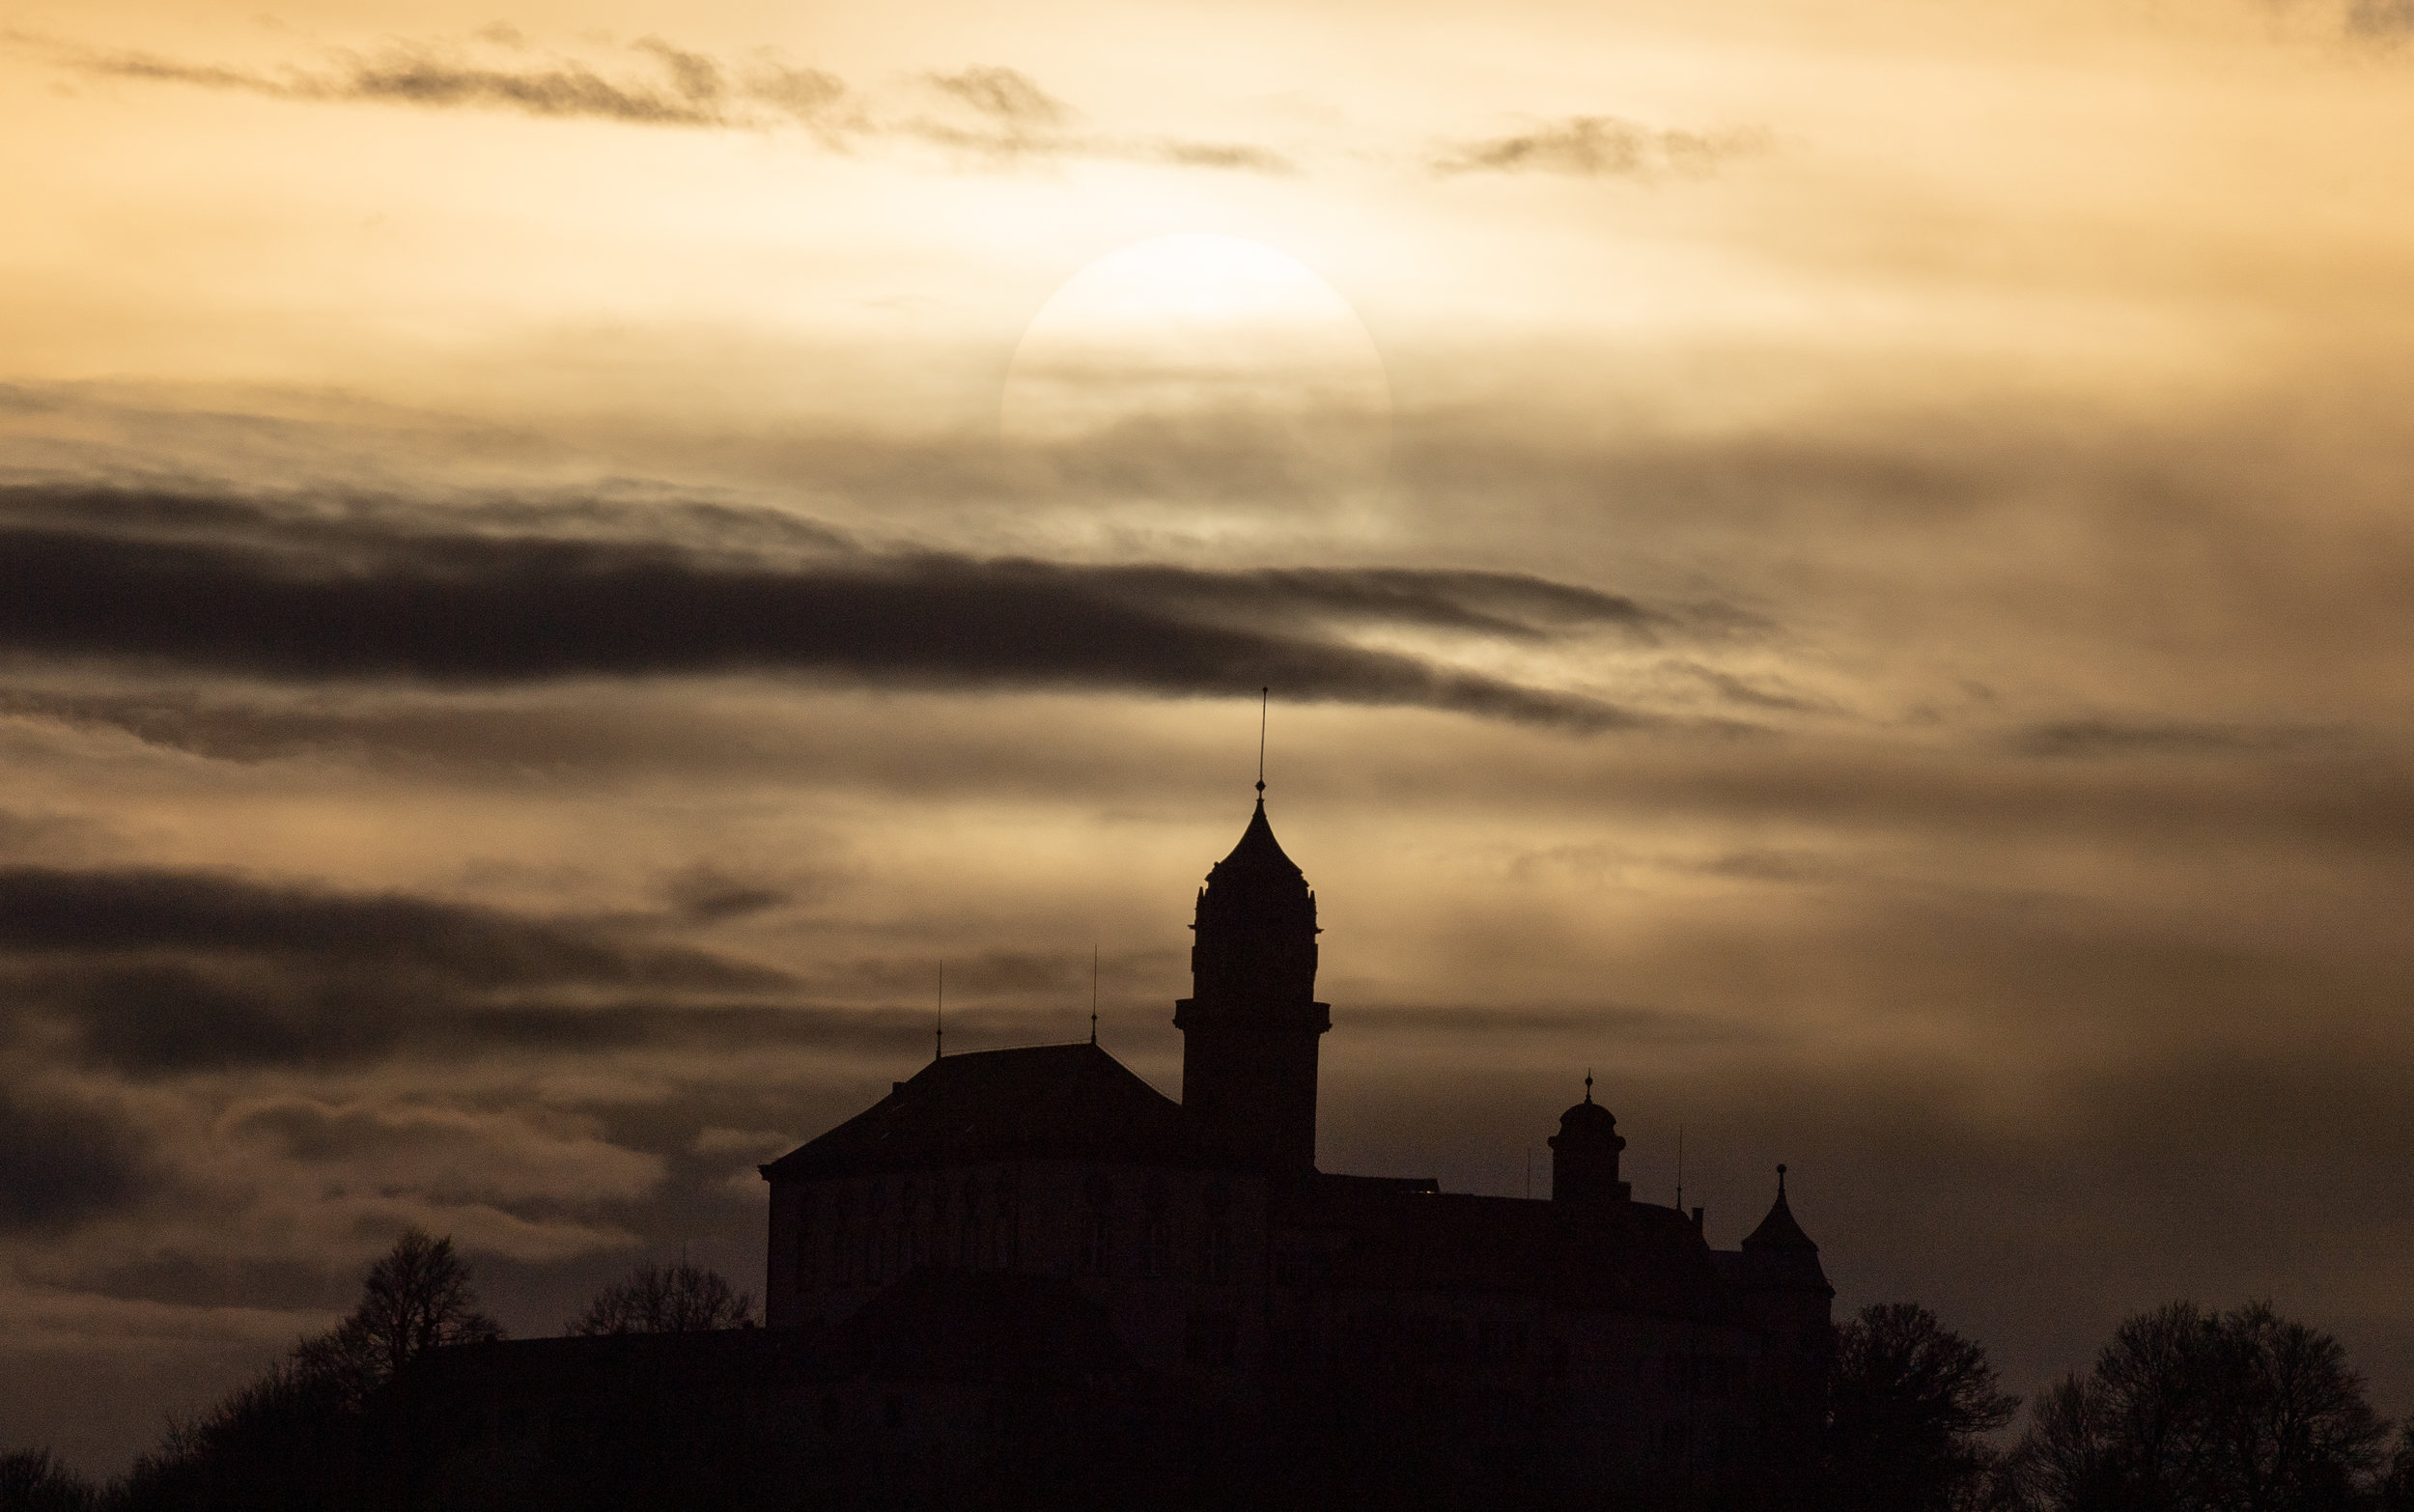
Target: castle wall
[[1176, 1257]]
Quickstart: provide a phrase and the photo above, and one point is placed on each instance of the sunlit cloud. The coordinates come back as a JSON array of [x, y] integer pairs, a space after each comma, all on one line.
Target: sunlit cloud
[[1002, 115], [1602, 146], [552, 583]]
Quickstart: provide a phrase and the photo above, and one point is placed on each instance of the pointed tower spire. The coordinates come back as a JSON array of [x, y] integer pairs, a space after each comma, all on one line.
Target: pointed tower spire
[[1779, 1234], [1781, 1260], [1251, 1025]]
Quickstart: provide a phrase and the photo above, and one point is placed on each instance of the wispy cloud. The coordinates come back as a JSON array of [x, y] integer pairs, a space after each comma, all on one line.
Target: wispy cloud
[[1005, 96], [2386, 21], [2110, 738], [1601, 147], [673, 87], [987, 112]]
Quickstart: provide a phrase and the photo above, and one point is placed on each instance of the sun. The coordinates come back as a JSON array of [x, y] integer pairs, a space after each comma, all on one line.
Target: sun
[[1198, 372]]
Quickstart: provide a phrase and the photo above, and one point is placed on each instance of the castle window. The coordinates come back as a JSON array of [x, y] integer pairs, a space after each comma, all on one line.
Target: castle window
[[1500, 1343], [1215, 1253], [1732, 1447], [801, 1266], [1097, 1257], [969, 1228], [1212, 1339], [1007, 1253]]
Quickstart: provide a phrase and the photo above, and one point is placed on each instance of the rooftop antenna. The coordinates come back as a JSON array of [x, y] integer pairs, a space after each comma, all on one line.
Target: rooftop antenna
[[1680, 1167], [1265, 695], [1093, 992], [938, 1024]]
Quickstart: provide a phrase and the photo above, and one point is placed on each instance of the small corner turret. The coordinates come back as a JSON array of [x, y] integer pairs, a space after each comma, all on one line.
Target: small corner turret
[[1585, 1152], [1778, 1254]]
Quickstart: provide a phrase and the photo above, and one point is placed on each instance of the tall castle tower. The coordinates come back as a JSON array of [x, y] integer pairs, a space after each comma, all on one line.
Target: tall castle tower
[[1251, 1023]]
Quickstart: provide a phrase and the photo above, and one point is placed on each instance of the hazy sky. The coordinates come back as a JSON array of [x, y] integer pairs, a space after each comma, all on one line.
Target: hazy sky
[[1844, 566]]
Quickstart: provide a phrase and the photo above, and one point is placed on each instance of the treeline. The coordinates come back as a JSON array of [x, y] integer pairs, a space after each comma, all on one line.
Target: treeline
[[295, 1438], [2184, 1410]]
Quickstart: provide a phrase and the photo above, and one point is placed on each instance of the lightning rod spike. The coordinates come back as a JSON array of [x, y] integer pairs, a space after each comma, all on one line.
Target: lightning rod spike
[[1265, 696]]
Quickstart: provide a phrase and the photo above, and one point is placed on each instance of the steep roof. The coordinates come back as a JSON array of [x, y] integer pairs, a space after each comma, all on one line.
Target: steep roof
[[1256, 886], [1065, 1102], [1779, 1254], [1257, 856], [1778, 1232]]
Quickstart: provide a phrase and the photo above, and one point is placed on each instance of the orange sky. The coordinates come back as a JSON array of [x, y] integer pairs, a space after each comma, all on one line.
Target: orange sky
[[1843, 566]]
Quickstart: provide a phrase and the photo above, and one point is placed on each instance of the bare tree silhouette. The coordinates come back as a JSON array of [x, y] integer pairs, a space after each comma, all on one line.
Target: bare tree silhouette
[[416, 1297], [32, 1481], [2397, 1485], [293, 1437], [1910, 1404], [676, 1298], [2189, 1411]]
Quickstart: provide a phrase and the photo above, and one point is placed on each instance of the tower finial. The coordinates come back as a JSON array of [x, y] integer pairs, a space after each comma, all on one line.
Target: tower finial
[[1587, 1084], [1093, 992], [939, 1022], [1265, 695], [1780, 1179], [1680, 1167]]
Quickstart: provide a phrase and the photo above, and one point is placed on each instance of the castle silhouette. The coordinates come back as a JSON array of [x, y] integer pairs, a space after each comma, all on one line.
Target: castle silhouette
[[1025, 1277]]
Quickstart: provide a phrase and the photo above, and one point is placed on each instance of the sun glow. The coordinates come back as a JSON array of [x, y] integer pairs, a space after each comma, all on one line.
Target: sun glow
[[1174, 360]]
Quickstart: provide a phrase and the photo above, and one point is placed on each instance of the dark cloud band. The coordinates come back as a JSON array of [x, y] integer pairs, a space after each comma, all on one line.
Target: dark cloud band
[[52, 912], [61, 1163], [157, 971], [321, 604]]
